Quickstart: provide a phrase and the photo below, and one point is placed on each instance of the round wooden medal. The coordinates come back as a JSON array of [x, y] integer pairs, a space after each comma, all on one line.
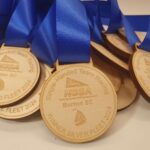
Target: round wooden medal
[[110, 57], [127, 93], [30, 104], [78, 103], [119, 46], [140, 71], [110, 71], [19, 73], [125, 88]]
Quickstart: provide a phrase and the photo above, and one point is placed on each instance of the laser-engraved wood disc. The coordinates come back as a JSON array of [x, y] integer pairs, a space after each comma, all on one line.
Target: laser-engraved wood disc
[[78, 103], [30, 104], [19, 73], [140, 69], [125, 88], [118, 45], [109, 56], [127, 93], [110, 71]]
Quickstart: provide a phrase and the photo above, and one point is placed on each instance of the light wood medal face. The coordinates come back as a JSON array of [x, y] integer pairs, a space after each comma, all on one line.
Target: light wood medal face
[[30, 104], [127, 93], [140, 68], [109, 56], [19, 73], [78, 103]]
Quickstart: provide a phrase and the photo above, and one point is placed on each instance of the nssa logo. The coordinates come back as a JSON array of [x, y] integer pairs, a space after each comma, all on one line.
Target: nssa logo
[[76, 89], [9, 64]]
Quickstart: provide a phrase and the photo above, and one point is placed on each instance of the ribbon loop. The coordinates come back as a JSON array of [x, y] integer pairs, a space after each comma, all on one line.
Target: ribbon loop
[[24, 21], [44, 44], [72, 31], [6, 9], [21, 23], [130, 33], [115, 17], [115, 23], [94, 19], [64, 34]]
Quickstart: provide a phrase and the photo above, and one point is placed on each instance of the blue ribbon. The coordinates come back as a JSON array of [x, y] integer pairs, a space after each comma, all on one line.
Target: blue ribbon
[[132, 38], [146, 42], [64, 34], [6, 9], [22, 23], [115, 17], [44, 44], [72, 31], [115, 23], [138, 22], [130, 33], [94, 19]]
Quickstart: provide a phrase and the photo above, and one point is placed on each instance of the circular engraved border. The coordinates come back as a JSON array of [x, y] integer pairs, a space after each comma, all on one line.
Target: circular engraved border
[[36, 79], [84, 139], [138, 84]]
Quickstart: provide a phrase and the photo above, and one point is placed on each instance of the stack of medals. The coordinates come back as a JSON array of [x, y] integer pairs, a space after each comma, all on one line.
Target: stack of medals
[[21, 74], [112, 56], [78, 102], [80, 89]]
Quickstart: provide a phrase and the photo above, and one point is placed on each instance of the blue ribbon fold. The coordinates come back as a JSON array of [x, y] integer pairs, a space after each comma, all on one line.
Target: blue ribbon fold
[[117, 20], [64, 34], [94, 19], [115, 17], [23, 22], [129, 32], [73, 36], [44, 44], [134, 20], [6, 9]]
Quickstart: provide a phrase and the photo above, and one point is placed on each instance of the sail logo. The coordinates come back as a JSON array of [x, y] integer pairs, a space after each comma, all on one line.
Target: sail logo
[[80, 118]]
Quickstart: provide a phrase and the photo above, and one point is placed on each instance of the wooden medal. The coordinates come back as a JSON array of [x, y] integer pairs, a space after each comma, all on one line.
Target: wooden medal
[[127, 93], [106, 54], [140, 71], [125, 88], [111, 72], [30, 104], [19, 73], [119, 46], [78, 103]]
